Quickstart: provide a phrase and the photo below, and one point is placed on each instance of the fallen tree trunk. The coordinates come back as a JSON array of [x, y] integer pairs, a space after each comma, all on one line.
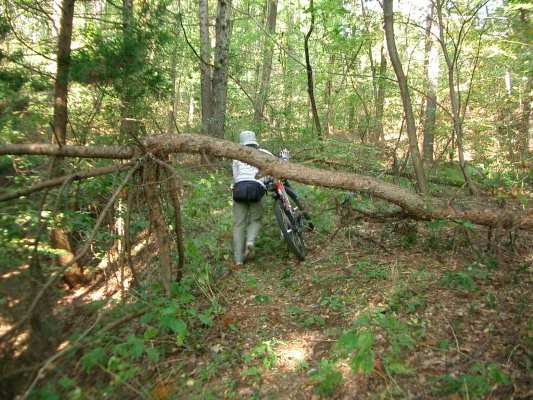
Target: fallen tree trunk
[[418, 207]]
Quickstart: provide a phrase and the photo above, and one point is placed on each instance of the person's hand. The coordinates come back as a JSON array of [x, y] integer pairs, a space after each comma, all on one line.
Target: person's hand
[[284, 154]]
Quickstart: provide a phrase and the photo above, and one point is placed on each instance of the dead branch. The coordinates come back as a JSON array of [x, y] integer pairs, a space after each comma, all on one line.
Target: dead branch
[[115, 324], [62, 179], [56, 356], [151, 183], [127, 242], [174, 195], [82, 252]]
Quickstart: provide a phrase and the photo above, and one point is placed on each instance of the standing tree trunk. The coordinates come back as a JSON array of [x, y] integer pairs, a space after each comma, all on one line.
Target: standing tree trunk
[[327, 96], [380, 99], [454, 100], [310, 83], [206, 72], [171, 115], [267, 62], [127, 121], [378, 84], [287, 71], [406, 100], [63, 71], [157, 218], [525, 123], [220, 72], [60, 236], [44, 327], [432, 76]]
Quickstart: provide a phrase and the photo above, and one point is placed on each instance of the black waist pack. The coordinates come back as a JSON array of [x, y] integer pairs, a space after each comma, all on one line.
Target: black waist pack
[[248, 192]]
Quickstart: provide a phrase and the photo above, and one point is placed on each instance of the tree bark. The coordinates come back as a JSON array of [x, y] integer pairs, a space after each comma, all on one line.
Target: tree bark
[[63, 71], [268, 53], [171, 115], [525, 114], [378, 84], [206, 72], [406, 100], [59, 236], [220, 72], [328, 98], [432, 75], [157, 218], [380, 99], [454, 100], [309, 68], [287, 71], [128, 124], [417, 206]]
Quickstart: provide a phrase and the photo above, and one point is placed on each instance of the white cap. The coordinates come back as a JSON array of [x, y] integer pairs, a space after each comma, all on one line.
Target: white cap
[[248, 137]]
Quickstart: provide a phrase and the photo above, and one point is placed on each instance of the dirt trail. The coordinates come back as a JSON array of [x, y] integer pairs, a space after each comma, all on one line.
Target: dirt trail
[[435, 320]]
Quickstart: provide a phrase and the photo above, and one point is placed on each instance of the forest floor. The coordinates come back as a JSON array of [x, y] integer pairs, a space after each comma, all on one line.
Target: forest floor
[[376, 310], [430, 323]]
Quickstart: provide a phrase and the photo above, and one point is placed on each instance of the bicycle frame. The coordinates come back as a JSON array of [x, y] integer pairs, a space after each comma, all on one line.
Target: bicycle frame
[[283, 195]]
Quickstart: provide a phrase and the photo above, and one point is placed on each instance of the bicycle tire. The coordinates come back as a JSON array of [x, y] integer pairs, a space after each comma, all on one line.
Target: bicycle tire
[[290, 230], [303, 216]]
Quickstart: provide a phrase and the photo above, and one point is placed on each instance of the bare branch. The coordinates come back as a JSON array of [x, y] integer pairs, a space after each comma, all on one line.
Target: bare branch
[[62, 179], [82, 252]]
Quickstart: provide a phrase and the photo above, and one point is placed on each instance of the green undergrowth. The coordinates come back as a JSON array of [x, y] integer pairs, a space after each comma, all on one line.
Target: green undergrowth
[[371, 291]]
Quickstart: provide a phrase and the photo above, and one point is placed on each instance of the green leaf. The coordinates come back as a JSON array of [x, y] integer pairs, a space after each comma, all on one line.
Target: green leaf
[[367, 362], [152, 354], [498, 376], [251, 371], [365, 340], [327, 382], [92, 359], [67, 382], [146, 318], [150, 333], [178, 326], [346, 343], [136, 346], [405, 340], [363, 361], [396, 365], [364, 320], [262, 299]]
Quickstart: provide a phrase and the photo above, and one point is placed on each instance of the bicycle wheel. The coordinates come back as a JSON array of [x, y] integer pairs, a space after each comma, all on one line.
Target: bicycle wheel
[[304, 219], [290, 229]]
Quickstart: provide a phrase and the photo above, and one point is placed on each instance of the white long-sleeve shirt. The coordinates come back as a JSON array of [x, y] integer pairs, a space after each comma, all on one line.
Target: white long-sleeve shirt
[[246, 172]]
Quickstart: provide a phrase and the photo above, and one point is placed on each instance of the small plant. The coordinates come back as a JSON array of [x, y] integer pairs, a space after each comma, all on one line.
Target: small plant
[[478, 382], [262, 298], [314, 319], [358, 345], [333, 302], [490, 301], [326, 380], [459, 280], [264, 353]]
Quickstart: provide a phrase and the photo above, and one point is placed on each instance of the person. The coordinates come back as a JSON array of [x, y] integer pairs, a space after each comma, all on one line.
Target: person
[[248, 199]]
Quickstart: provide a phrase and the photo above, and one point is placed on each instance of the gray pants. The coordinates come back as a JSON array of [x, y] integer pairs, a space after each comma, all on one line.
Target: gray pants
[[247, 223]]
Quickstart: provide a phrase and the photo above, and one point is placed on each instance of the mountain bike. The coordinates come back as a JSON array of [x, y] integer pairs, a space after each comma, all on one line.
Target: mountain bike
[[291, 216]]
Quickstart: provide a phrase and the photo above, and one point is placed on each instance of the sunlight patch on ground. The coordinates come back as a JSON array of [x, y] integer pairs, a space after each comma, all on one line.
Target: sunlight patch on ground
[[63, 345], [296, 349], [137, 248], [16, 272]]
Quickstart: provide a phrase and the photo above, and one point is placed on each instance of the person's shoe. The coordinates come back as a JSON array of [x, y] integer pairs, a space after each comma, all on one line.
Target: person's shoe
[[236, 266], [249, 251]]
